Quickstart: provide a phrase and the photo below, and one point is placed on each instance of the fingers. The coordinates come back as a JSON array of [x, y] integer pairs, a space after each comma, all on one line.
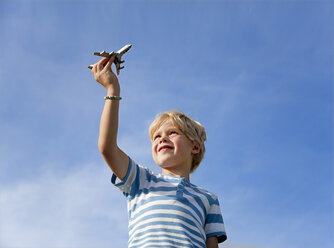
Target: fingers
[[93, 70], [110, 61], [104, 64], [101, 64]]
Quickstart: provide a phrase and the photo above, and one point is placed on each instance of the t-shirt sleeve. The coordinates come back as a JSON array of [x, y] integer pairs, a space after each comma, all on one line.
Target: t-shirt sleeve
[[130, 183], [214, 224]]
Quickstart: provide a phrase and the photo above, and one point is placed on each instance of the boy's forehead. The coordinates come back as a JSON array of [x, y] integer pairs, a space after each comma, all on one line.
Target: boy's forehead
[[167, 123]]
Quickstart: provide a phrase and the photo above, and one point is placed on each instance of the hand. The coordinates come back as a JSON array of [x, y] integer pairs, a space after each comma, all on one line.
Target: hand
[[104, 75]]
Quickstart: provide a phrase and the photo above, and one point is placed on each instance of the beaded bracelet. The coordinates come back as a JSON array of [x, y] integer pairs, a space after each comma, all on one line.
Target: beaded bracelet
[[112, 98]]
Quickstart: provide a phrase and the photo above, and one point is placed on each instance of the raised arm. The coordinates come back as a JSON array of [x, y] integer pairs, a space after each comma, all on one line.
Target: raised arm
[[116, 159]]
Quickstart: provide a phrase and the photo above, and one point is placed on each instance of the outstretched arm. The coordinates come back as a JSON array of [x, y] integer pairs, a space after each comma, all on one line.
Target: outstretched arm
[[116, 159]]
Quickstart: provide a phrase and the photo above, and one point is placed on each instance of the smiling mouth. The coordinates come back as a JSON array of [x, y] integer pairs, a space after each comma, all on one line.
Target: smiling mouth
[[165, 148]]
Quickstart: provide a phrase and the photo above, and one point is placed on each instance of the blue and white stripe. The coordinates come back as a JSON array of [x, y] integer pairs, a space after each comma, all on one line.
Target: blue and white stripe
[[168, 211]]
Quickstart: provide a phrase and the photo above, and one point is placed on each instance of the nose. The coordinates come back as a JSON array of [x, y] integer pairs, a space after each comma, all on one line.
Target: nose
[[163, 138]]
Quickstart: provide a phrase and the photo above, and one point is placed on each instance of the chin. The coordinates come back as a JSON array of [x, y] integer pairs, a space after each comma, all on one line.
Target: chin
[[164, 164]]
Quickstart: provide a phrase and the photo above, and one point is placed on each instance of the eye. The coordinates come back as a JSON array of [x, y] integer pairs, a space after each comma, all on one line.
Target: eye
[[173, 132], [156, 137]]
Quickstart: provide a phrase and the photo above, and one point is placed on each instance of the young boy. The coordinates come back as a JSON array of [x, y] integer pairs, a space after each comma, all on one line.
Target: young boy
[[165, 210]]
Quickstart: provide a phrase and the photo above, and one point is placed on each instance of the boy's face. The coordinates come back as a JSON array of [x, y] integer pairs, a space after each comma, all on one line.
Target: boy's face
[[171, 149]]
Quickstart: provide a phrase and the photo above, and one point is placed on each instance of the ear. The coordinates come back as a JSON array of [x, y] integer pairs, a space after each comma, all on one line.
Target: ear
[[196, 148]]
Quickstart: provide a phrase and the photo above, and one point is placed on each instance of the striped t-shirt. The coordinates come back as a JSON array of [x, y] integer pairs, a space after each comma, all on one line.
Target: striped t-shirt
[[168, 211]]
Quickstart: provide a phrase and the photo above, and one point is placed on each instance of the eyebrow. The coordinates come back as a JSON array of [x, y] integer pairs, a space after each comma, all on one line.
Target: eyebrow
[[168, 129]]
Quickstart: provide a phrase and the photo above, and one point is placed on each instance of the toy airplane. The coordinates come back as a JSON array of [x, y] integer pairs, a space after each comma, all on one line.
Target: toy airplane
[[118, 57]]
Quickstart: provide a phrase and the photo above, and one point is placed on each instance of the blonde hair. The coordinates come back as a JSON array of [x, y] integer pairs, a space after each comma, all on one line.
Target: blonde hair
[[193, 130]]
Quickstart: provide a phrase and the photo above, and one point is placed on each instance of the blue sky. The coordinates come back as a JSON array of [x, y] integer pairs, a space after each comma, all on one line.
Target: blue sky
[[257, 74]]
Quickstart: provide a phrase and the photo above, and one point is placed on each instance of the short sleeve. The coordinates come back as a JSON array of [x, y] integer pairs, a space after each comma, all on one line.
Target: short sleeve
[[214, 224], [126, 184]]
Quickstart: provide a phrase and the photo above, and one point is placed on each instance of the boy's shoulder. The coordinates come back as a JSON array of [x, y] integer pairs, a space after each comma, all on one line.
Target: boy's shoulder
[[204, 191]]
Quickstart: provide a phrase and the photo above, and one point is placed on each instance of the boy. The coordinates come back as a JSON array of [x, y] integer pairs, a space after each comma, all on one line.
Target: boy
[[165, 210]]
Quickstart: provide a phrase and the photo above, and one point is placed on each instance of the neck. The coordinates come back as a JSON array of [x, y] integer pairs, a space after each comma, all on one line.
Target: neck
[[176, 173]]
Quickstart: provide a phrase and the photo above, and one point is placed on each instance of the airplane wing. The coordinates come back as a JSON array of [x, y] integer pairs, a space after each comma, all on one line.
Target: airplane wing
[[104, 54]]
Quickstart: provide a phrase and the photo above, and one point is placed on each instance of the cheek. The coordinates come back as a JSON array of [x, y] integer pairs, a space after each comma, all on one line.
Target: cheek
[[185, 146], [153, 148], [154, 154]]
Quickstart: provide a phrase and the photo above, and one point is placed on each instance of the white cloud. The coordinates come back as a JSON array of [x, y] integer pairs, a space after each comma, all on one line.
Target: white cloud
[[76, 209]]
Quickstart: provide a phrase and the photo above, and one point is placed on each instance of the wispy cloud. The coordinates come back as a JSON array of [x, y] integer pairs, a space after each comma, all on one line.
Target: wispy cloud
[[78, 208]]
